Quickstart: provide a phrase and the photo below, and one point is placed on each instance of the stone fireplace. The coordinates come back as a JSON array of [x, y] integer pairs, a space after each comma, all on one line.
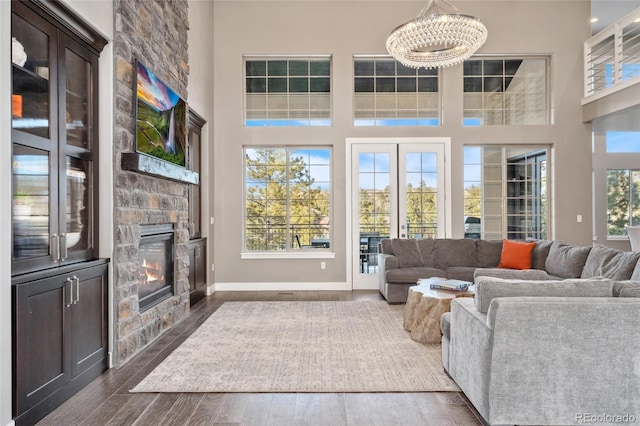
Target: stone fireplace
[[156, 259], [151, 212]]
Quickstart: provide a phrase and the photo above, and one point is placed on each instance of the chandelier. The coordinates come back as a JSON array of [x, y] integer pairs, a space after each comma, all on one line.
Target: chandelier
[[434, 39]]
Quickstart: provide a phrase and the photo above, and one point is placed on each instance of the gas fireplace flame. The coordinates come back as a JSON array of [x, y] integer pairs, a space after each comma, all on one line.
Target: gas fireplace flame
[[153, 271]]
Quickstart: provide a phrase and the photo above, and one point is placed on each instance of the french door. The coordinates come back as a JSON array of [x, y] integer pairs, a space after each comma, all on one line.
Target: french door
[[397, 191]]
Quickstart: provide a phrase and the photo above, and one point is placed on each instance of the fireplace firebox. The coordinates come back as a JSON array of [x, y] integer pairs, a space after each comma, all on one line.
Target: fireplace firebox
[[156, 255]]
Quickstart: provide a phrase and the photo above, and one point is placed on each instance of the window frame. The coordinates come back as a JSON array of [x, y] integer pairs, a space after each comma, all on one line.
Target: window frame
[[504, 110], [420, 122], [289, 252], [289, 121], [630, 172]]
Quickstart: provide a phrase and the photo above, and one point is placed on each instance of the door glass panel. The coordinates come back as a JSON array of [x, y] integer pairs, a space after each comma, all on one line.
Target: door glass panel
[[78, 206], [30, 216], [78, 103], [421, 194], [375, 206], [30, 71]]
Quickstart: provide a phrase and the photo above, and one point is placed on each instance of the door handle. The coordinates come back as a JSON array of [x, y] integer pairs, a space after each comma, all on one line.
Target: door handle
[[76, 281], [69, 285], [54, 247], [63, 247]]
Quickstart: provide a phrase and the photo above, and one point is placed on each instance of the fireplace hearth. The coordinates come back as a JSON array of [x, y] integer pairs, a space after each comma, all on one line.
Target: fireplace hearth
[[156, 256]]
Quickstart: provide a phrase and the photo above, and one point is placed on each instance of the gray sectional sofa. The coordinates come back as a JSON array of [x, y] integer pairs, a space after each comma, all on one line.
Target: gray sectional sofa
[[547, 352], [403, 261], [558, 344]]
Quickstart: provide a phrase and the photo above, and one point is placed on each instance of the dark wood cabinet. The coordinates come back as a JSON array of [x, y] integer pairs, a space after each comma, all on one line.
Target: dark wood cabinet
[[55, 141], [197, 250], [60, 329], [197, 246], [60, 336], [194, 158]]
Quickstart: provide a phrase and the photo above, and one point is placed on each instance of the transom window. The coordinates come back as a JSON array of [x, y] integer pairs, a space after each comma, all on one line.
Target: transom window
[[623, 200], [287, 198], [506, 91], [386, 93], [289, 91]]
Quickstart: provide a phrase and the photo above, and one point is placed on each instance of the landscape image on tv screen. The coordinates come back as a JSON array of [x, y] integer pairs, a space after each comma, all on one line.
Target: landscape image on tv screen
[[161, 128]]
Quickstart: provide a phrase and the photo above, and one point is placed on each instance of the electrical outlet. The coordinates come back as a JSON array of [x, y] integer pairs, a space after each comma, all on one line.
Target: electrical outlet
[[323, 265], [212, 268], [212, 220], [579, 218]]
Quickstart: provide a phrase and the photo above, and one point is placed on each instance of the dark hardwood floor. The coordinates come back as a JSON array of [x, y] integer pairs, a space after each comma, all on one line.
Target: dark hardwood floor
[[107, 401]]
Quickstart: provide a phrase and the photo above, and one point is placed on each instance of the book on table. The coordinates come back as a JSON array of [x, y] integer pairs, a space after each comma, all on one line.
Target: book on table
[[445, 284]]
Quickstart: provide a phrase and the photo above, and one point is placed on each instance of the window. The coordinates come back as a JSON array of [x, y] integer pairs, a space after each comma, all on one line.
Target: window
[[287, 198], [623, 142], [505, 91], [386, 93], [623, 200], [290, 91], [505, 192]]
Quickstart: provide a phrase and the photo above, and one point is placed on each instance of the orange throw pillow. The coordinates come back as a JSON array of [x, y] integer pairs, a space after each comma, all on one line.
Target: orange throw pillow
[[516, 254]]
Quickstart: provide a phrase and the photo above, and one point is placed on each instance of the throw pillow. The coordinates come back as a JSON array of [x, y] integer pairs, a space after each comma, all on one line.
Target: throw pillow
[[516, 254]]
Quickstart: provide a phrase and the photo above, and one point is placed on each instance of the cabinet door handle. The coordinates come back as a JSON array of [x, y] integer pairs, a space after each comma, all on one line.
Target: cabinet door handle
[[76, 281], [63, 247], [54, 247], [69, 289]]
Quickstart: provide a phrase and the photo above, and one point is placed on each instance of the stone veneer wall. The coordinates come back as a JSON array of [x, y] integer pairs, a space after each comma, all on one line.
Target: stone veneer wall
[[155, 33]]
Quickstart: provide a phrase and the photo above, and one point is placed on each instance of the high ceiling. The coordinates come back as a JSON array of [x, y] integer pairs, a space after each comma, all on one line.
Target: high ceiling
[[609, 11]]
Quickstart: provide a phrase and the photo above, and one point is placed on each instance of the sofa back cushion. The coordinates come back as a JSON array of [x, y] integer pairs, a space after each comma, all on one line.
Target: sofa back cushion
[[610, 263], [455, 252], [386, 246], [426, 251], [488, 253], [635, 276], [407, 252], [488, 288], [565, 260], [540, 254]]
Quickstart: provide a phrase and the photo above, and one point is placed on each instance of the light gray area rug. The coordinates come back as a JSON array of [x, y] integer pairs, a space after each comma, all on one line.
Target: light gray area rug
[[301, 347]]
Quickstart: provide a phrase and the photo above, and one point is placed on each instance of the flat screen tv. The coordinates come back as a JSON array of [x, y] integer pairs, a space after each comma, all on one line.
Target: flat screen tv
[[161, 118]]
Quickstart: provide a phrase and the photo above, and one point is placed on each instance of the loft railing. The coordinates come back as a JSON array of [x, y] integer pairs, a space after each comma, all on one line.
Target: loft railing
[[612, 58]]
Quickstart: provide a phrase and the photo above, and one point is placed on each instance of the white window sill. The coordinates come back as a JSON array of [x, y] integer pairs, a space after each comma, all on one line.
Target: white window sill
[[289, 255]]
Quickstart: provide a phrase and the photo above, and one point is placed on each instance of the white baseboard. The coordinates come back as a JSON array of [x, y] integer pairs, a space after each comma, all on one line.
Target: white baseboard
[[288, 286]]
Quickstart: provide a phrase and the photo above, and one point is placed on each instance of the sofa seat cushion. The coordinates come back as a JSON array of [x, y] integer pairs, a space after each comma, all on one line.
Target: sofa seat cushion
[[626, 289], [565, 260], [464, 273], [516, 274], [610, 263], [412, 275], [489, 288]]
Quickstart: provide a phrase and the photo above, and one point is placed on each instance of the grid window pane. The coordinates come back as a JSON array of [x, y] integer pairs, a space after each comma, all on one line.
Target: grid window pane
[[386, 93], [287, 92], [515, 92]]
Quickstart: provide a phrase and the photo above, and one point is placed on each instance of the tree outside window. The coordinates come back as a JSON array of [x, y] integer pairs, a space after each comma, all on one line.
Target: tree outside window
[[287, 198], [623, 200]]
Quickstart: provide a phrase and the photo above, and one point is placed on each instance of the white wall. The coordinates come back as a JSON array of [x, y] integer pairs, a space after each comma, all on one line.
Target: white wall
[[344, 28], [200, 99]]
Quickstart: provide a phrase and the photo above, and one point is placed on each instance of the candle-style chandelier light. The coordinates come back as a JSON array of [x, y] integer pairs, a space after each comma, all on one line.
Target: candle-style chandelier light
[[435, 39]]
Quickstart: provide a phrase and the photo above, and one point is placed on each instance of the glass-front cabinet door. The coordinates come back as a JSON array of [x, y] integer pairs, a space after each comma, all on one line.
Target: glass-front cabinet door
[[54, 83]]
